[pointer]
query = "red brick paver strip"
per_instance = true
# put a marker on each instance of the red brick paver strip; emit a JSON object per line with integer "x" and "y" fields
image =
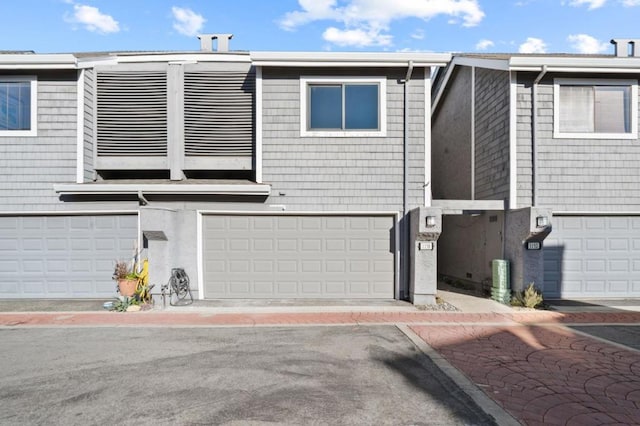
{"x": 544, "y": 375}
{"x": 177, "y": 318}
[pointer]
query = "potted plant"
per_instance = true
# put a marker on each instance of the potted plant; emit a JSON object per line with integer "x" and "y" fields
{"x": 127, "y": 278}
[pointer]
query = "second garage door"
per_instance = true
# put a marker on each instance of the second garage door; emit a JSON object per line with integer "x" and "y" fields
{"x": 298, "y": 256}
{"x": 63, "y": 256}
{"x": 593, "y": 256}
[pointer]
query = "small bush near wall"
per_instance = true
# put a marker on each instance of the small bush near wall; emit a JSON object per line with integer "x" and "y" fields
{"x": 531, "y": 297}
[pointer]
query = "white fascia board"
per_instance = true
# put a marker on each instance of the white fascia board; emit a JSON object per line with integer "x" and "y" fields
{"x": 348, "y": 59}
{"x": 97, "y": 61}
{"x": 596, "y": 213}
{"x": 630, "y": 70}
{"x": 35, "y": 61}
{"x": 493, "y": 64}
{"x": 443, "y": 85}
{"x": 339, "y": 64}
{"x": 80, "y": 127}
{"x": 575, "y": 64}
{"x": 202, "y": 189}
{"x": 183, "y": 57}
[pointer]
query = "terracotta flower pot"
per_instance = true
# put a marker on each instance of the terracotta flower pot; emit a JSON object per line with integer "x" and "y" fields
{"x": 127, "y": 287}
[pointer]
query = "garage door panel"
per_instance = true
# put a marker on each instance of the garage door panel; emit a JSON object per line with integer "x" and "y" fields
{"x": 63, "y": 256}
{"x": 618, "y": 287}
{"x": 592, "y": 256}
{"x": 619, "y": 265}
{"x": 596, "y": 244}
{"x": 593, "y": 223}
{"x": 293, "y": 256}
{"x": 619, "y": 223}
{"x": 311, "y": 289}
{"x": 60, "y": 287}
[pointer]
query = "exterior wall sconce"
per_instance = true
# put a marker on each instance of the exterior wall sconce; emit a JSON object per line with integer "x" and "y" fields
{"x": 430, "y": 221}
{"x": 542, "y": 221}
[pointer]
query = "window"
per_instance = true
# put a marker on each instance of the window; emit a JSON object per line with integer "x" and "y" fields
{"x": 18, "y": 106}
{"x": 603, "y": 109}
{"x": 343, "y": 107}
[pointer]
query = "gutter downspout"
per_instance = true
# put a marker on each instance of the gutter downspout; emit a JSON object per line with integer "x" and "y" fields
{"x": 534, "y": 131}
{"x": 405, "y": 178}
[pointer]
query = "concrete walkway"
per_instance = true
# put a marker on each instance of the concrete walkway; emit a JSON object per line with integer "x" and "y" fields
{"x": 529, "y": 364}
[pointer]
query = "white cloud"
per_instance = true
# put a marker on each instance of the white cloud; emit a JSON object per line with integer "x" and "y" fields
{"x": 592, "y": 4}
{"x": 583, "y": 43}
{"x": 411, "y": 50}
{"x": 418, "y": 34}
{"x": 93, "y": 20}
{"x": 356, "y": 37}
{"x": 484, "y": 44}
{"x": 631, "y": 3}
{"x": 533, "y": 45}
{"x": 312, "y": 10}
{"x": 187, "y": 22}
{"x": 371, "y": 19}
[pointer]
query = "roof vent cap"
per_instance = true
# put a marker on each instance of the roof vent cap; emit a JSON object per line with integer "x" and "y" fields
{"x": 206, "y": 42}
{"x": 626, "y": 47}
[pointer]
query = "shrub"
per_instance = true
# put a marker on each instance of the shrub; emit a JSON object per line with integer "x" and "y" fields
{"x": 531, "y": 297}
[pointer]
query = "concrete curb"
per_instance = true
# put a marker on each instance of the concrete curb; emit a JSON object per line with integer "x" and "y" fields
{"x": 489, "y": 406}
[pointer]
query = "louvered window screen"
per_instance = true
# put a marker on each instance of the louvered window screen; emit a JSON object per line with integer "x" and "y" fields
{"x": 218, "y": 113}
{"x": 132, "y": 114}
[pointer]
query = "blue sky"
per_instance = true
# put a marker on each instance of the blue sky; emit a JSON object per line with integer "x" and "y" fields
{"x": 529, "y": 26}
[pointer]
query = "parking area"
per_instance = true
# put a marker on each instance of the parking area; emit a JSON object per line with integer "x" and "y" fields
{"x": 296, "y": 375}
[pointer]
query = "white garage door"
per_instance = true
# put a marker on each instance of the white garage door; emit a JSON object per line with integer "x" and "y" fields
{"x": 593, "y": 256}
{"x": 63, "y": 256}
{"x": 298, "y": 256}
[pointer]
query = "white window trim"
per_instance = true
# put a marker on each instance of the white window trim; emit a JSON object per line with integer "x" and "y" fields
{"x": 557, "y": 82}
{"x": 34, "y": 106}
{"x": 382, "y": 83}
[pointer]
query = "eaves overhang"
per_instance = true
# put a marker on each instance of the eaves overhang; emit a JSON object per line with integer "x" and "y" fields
{"x": 89, "y": 61}
{"x": 537, "y": 63}
{"x": 37, "y": 61}
{"x": 348, "y": 59}
{"x": 579, "y": 64}
{"x": 560, "y": 63}
{"x": 164, "y": 189}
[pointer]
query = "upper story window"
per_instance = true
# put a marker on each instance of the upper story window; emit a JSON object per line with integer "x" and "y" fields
{"x": 343, "y": 107}
{"x": 18, "y": 106}
{"x": 596, "y": 109}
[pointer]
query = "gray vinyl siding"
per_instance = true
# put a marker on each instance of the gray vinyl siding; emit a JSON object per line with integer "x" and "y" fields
{"x": 89, "y": 120}
{"x": 348, "y": 174}
{"x": 29, "y": 166}
{"x": 491, "y": 134}
{"x": 523, "y": 143}
{"x": 451, "y": 140}
{"x": 581, "y": 174}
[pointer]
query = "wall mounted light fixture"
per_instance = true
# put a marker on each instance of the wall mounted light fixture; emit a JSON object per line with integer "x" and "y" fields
{"x": 542, "y": 221}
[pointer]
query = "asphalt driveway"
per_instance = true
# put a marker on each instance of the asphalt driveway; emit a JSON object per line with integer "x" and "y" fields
{"x": 295, "y": 375}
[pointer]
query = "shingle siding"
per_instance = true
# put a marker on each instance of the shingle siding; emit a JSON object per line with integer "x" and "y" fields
{"x": 523, "y": 144}
{"x": 451, "y": 140}
{"x": 579, "y": 174}
{"x": 491, "y": 134}
{"x": 29, "y": 166}
{"x": 328, "y": 173}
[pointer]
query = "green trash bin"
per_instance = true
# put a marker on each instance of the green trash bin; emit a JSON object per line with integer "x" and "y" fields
{"x": 501, "y": 289}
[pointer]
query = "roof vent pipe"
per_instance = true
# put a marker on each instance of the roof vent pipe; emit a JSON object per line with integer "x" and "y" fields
{"x": 622, "y": 47}
{"x": 206, "y": 42}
